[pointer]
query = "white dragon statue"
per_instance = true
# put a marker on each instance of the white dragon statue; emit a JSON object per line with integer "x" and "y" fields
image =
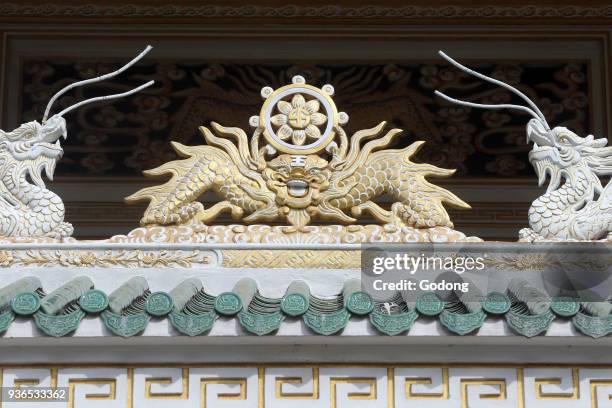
{"x": 27, "y": 208}
{"x": 576, "y": 205}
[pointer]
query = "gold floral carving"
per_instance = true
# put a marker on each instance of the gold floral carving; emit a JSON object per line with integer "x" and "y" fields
{"x": 104, "y": 258}
{"x": 313, "y": 234}
{"x": 231, "y": 258}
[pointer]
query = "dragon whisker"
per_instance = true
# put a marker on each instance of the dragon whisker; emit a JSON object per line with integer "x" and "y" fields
{"x": 93, "y": 80}
{"x": 487, "y": 106}
{"x": 105, "y": 98}
{"x": 534, "y": 111}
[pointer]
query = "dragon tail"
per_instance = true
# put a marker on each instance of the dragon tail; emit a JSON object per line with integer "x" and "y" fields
{"x": 173, "y": 201}
{"x": 443, "y": 194}
{"x": 423, "y": 204}
{"x": 424, "y": 170}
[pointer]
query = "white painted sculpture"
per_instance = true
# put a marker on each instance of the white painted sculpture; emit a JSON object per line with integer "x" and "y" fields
{"x": 27, "y": 208}
{"x": 576, "y": 205}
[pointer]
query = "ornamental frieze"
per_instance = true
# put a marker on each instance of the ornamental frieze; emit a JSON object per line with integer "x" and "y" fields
{"x": 252, "y": 11}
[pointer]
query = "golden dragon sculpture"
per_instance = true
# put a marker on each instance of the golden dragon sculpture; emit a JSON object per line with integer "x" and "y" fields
{"x": 298, "y": 166}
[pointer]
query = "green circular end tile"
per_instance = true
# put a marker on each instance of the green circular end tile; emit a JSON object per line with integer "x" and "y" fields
{"x": 360, "y": 303}
{"x": 294, "y": 304}
{"x": 496, "y": 303}
{"x": 429, "y": 304}
{"x": 565, "y": 306}
{"x": 26, "y": 303}
{"x": 228, "y": 304}
{"x": 159, "y": 304}
{"x": 93, "y": 301}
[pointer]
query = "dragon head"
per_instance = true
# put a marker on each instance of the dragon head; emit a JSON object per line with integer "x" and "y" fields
{"x": 36, "y": 147}
{"x": 297, "y": 180}
{"x": 556, "y": 151}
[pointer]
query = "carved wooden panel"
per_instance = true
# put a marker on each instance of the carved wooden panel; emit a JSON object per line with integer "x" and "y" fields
{"x": 127, "y": 136}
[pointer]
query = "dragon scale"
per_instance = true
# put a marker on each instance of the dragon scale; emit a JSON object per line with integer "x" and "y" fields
{"x": 417, "y": 202}
{"x": 35, "y": 210}
{"x": 206, "y": 168}
{"x": 564, "y": 213}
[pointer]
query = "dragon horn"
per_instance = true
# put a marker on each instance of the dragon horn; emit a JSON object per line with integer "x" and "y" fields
{"x": 534, "y": 111}
{"x": 94, "y": 80}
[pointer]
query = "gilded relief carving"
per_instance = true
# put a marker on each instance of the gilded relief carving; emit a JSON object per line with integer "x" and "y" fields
{"x": 299, "y": 166}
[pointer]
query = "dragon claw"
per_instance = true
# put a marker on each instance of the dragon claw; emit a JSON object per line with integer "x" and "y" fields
{"x": 63, "y": 230}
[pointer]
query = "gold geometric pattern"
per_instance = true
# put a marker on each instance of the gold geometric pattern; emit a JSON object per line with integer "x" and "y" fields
{"x": 327, "y": 259}
{"x": 410, "y": 394}
{"x": 110, "y": 382}
{"x": 240, "y": 395}
{"x": 324, "y": 385}
{"x": 281, "y": 394}
{"x": 184, "y": 394}
{"x": 594, "y": 385}
{"x": 574, "y": 395}
{"x": 465, "y": 383}
{"x": 370, "y": 394}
